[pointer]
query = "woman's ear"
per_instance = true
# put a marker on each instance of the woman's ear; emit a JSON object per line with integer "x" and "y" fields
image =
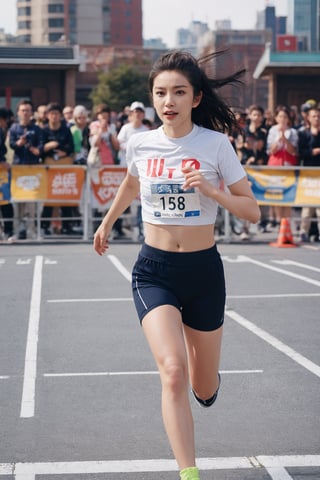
{"x": 197, "y": 99}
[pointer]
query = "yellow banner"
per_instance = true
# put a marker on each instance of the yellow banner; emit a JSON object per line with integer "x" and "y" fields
{"x": 308, "y": 191}
{"x": 285, "y": 186}
{"x": 28, "y": 183}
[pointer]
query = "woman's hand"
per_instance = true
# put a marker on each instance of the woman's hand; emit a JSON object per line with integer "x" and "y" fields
{"x": 100, "y": 239}
{"x": 194, "y": 178}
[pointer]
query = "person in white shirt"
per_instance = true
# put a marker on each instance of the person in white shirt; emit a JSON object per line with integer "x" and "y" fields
{"x": 134, "y": 125}
{"x": 178, "y": 279}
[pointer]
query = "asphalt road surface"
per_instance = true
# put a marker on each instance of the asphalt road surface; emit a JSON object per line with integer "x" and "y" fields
{"x": 79, "y": 391}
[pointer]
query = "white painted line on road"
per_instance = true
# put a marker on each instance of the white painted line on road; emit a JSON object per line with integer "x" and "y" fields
{"x": 297, "y": 264}
{"x": 276, "y": 295}
{"x": 30, "y": 365}
{"x": 293, "y": 461}
{"x": 274, "y": 465}
{"x": 98, "y": 374}
{"x": 280, "y": 270}
{"x": 114, "y": 374}
{"x": 116, "y": 262}
{"x": 129, "y": 299}
{"x": 274, "y": 342}
{"x": 278, "y": 473}
{"x": 79, "y": 300}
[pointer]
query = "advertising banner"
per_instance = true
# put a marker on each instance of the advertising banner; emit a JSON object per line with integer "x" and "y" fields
{"x": 104, "y": 184}
{"x": 28, "y": 183}
{"x": 65, "y": 183}
{"x": 285, "y": 186}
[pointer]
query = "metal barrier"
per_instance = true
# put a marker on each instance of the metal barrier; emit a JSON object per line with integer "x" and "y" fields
{"x": 93, "y": 190}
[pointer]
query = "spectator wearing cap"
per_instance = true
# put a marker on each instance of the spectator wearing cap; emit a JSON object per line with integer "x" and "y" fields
{"x": 134, "y": 125}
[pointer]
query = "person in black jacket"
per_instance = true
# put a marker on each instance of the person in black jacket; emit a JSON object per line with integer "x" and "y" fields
{"x": 58, "y": 148}
{"x": 26, "y": 142}
{"x": 309, "y": 151}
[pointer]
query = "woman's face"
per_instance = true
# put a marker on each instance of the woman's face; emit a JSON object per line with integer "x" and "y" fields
{"x": 173, "y": 98}
{"x": 282, "y": 119}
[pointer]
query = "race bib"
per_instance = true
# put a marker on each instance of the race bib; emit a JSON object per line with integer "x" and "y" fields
{"x": 169, "y": 200}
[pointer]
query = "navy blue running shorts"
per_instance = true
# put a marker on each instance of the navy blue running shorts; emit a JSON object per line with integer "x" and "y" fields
{"x": 193, "y": 282}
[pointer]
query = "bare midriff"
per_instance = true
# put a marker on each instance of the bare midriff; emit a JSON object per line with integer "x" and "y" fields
{"x": 176, "y": 238}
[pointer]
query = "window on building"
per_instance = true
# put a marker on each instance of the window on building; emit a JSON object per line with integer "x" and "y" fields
{"x": 72, "y": 23}
{"x": 56, "y": 22}
{"x": 24, "y": 25}
{"x": 24, "y": 38}
{"x": 54, "y": 37}
{"x": 72, "y": 7}
{"x": 73, "y": 38}
{"x": 56, "y": 8}
{"x": 24, "y": 11}
{"x": 106, "y": 38}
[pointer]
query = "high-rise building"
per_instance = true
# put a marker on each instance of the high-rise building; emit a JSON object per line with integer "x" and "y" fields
{"x": 303, "y": 22}
{"x": 82, "y": 22}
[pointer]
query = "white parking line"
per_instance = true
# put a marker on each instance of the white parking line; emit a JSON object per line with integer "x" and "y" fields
{"x": 79, "y": 300}
{"x": 274, "y": 342}
{"x": 280, "y": 270}
{"x": 274, "y": 465}
{"x": 30, "y": 365}
{"x": 113, "y": 259}
{"x": 111, "y": 374}
{"x": 130, "y": 299}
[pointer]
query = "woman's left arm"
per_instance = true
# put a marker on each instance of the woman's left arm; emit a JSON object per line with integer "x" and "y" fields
{"x": 239, "y": 201}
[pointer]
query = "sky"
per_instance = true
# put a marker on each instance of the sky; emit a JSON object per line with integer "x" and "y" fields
{"x": 162, "y": 18}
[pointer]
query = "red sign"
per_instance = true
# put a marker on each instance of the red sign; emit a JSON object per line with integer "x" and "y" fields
{"x": 287, "y": 43}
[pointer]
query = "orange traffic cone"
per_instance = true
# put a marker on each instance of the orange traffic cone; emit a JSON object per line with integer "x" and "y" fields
{"x": 285, "y": 239}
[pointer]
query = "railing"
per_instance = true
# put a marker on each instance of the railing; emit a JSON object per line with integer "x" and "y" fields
{"x": 94, "y": 189}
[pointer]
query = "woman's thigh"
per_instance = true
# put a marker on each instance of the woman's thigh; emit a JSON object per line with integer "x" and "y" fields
{"x": 163, "y": 329}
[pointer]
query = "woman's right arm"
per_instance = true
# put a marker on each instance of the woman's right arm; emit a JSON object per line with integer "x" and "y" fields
{"x": 127, "y": 192}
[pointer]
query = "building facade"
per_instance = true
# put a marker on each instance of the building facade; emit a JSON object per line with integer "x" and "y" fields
{"x": 243, "y": 51}
{"x": 303, "y": 21}
{"x": 71, "y": 22}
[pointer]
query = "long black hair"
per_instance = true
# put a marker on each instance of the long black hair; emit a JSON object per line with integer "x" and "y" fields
{"x": 212, "y": 112}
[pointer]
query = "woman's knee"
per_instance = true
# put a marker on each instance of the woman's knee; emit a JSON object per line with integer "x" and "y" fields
{"x": 174, "y": 376}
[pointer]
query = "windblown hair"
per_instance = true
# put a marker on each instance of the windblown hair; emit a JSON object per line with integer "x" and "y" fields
{"x": 212, "y": 112}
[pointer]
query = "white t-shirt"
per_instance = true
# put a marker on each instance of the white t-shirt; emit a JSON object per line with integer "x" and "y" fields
{"x": 126, "y": 131}
{"x": 157, "y": 160}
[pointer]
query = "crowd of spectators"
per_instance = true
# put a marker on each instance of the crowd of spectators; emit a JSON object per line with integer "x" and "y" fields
{"x": 289, "y": 137}
{"x": 72, "y": 135}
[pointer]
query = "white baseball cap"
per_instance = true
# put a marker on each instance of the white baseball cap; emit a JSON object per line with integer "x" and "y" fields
{"x": 136, "y": 105}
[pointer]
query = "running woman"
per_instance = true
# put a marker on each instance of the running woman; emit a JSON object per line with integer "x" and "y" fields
{"x": 178, "y": 279}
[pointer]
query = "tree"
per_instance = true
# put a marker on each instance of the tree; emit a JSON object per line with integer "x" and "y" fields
{"x": 121, "y": 86}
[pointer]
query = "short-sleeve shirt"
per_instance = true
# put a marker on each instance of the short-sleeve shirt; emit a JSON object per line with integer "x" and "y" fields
{"x": 158, "y": 161}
